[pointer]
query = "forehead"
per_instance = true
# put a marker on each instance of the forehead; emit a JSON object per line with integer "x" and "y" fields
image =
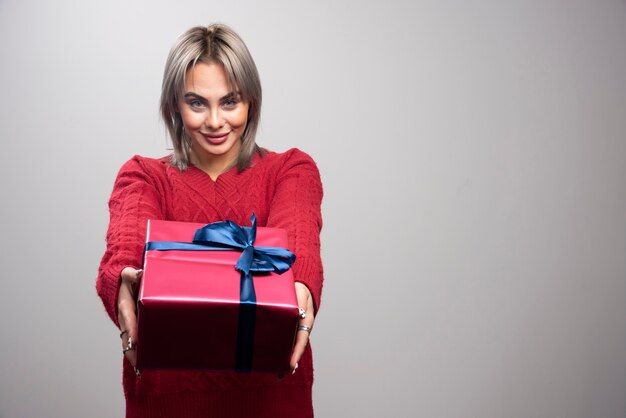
{"x": 207, "y": 79}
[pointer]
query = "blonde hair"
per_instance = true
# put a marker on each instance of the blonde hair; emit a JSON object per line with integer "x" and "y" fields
{"x": 218, "y": 44}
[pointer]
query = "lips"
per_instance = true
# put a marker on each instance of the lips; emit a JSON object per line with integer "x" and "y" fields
{"x": 216, "y": 139}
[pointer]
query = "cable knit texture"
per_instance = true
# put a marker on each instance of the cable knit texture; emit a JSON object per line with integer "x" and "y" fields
{"x": 284, "y": 191}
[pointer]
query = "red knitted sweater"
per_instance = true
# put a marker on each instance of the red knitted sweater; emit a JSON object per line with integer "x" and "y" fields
{"x": 284, "y": 191}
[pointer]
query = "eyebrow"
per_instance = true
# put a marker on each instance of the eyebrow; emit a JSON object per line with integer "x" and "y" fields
{"x": 230, "y": 95}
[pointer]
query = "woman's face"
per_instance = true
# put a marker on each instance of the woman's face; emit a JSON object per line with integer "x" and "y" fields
{"x": 214, "y": 117}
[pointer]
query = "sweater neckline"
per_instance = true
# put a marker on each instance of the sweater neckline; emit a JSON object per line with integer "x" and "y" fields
{"x": 208, "y": 177}
{"x": 202, "y": 182}
{"x": 226, "y": 175}
{"x": 224, "y": 185}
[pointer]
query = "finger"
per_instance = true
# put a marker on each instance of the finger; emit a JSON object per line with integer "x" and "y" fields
{"x": 131, "y": 279}
{"x": 131, "y": 275}
{"x": 126, "y": 309}
{"x": 302, "y": 339}
{"x": 131, "y": 355}
{"x": 305, "y": 302}
{"x": 128, "y": 324}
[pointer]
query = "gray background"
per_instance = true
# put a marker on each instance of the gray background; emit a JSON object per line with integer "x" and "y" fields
{"x": 474, "y": 161}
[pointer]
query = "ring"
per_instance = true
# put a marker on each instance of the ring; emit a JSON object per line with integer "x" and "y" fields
{"x": 129, "y": 347}
{"x": 301, "y": 313}
{"x": 123, "y": 332}
{"x": 305, "y": 328}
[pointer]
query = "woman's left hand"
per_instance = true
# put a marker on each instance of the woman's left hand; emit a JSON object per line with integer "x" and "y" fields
{"x": 305, "y": 301}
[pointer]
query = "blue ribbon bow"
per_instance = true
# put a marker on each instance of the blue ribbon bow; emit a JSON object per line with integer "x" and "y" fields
{"x": 228, "y": 236}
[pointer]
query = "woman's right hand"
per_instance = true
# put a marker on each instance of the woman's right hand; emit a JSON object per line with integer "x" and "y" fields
{"x": 127, "y": 312}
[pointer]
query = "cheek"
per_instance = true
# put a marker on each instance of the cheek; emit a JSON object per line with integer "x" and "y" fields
{"x": 192, "y": 119}
{"x": 240, "y": 118}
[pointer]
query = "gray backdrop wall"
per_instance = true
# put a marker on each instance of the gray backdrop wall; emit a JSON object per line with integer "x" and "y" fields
{"x": 474, "y": 160}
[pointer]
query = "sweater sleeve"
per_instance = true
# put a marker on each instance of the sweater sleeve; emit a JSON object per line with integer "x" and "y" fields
{"x": 134, "y": 200}
{"x": 296, "y": 207}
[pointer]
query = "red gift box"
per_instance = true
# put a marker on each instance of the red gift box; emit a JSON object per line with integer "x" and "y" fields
{"x": 189, "y": 306}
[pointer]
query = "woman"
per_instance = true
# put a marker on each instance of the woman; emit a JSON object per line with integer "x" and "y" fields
{"x": 211, "y": 103}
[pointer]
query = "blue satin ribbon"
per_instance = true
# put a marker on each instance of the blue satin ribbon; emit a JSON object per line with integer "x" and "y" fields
{"x": 228, "y": 236}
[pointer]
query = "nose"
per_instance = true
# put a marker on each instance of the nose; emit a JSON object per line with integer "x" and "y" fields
{"x": 214, "y": 120}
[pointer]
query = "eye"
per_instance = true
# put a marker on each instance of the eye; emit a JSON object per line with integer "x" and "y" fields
{"x": 195, "y": 103}
{"x": 230, "y": 103}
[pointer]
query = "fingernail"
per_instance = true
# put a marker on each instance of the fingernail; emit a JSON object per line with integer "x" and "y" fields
{"x": 294, "y": 369}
